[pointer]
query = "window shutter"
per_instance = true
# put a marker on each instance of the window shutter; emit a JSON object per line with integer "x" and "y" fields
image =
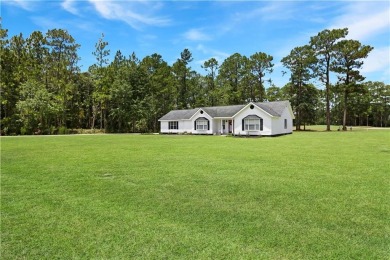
{"x": 208, "y": 124}
{"x": 195, "y": 125}
{"x": 261, "y": 124}
{"x": 243, "y": 122}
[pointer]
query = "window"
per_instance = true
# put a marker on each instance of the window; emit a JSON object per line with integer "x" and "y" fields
{"x": 201, "y": 124}
{"x": 252, "y": 123}
{"x": 173, "y": 125}
{"x": 285, "y": 123}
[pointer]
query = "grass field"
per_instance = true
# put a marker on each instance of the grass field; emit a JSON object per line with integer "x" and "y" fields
{"x": 310, "y": 195}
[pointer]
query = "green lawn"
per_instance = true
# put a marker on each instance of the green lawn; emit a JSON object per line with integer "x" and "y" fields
{"x": 309, "y": 195}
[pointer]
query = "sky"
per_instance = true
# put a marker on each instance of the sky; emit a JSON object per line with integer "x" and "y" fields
{"x": 209, "y": 29}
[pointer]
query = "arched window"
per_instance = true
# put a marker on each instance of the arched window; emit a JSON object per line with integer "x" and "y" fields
{"x": 202, "y": 123}
{"x": 252, "y": 123}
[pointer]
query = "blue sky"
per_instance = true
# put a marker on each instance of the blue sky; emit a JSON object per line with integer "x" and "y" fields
{"x": 207, "y": 28}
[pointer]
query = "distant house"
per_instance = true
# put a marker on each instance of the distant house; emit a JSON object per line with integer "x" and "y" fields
{"x": 258, "y": 119}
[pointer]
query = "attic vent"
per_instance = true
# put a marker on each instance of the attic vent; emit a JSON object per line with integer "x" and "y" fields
{"x": 252, "y": 106}
{"x": 201, "y": 111}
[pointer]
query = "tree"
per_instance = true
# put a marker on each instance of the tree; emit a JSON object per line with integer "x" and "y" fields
{"x": 349, "y": 55}
{"x": 211, "y": 66}
{"x": 261, "y": 63}
{"x": 300, "y": 62}
{"x": 37, "y": 55}
{"x": 181, "y": 71}
{"x": 62, "y": 61}
{"x": 230, "y": 78}
{"x": 379, "y": 96}
{"x": 162, "y": 93}
{"x": 36, "y": 107}
{"x": 99, "y": 72}
{"x": 309, "y": 104}
{"x": 323, "y": 45}
{"x": 274, "y": 93}
{"x": 8, "y": 85}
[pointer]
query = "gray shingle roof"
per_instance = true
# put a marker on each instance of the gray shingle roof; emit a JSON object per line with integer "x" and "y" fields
{"x": 179, "y": 114}
{"x": 273, "y": 108}
{"x": 223, "y": 111}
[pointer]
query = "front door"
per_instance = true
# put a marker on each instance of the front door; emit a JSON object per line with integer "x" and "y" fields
{"x": 226, "y": 126}
{"x": 230, "y": 126}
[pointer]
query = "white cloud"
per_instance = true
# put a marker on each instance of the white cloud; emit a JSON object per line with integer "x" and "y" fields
{"x": 26, "y": 5}
{"x": 68, "y": 5}
{"x": 134, "y": 13}
{"x": 196, "y": 35}
{"x": 378, "y": 60}
{"x": 369, "y": 22}
{"x": 46, "y": 23}
{"x": 364, "y": 20}
{"x": 220, "y": 56}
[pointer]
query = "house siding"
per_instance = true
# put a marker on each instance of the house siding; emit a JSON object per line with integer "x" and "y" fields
{"x": 278, "y": 124}
{"x": 197, "y": 115}
{"x": 247, "y": 111}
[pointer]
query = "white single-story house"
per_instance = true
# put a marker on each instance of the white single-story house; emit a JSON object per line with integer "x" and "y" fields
{"x": 259, "y": 119}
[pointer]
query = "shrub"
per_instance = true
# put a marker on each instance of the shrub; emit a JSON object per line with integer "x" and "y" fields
{"x": 63, "y": 130}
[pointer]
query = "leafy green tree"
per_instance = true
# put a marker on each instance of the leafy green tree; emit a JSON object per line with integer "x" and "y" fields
{"x": 63, "y": 60}
{"x": 181, "y": 72}
{"x": 349, "y": 55}
{"x": 230, "y": 79}
{"x": 300, "y": 62}
{"x": 82, "y": 102}
{"x": 9, "y": 85}
{"x": 261, "y": 64}
{"x": 162, "y": 94}
{"x": 379, "y": 97}
{"x": 323, "y": 45}
{"x": 37, "y": 55}
{"x": 99, "y": 75}
{"x": 359, "y": 105}
{"x": 36, "y": 107}
{"x": 274, "y": 93}
{"x": 248, "y": 88}
{"x": 211, "y": 66}
{"x": 196, "y": 90}
{"x": 309, "y": 105}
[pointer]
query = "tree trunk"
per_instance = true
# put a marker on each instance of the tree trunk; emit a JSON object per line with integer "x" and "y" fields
{"x": 327, "y": 100}
{"x": 345, "y": 111}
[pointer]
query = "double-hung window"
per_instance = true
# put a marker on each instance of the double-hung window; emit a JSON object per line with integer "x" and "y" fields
{"x": 252, "y": 123}
{"x": 173, "y": 125}
{"x": 202, "y": 124}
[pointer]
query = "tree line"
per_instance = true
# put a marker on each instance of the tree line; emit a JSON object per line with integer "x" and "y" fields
{"x": 44, "y": 91}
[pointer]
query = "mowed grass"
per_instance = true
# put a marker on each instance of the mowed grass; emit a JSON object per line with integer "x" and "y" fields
{"x": 310, "y": 195}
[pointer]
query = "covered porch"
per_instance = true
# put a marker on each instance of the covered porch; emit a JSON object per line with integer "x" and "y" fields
{"x": 223, "y": 126}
